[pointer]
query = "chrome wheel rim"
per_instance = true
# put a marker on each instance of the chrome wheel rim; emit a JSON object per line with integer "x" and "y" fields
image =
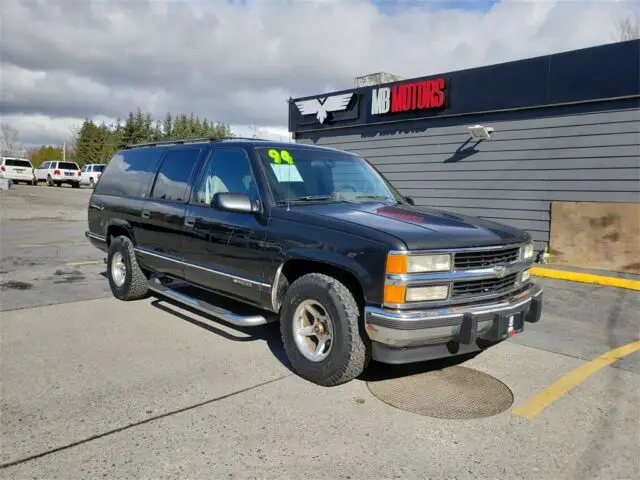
{"x": 313, "y": 330}
{"x": 118, "y": 269}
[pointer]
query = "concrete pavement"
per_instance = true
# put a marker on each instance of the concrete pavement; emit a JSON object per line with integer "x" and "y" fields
{"x": 97, "y": 388}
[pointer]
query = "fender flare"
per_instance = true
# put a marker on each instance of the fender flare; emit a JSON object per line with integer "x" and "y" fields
{"x": 333, "y": 259}
{"x": 123, "y": 224}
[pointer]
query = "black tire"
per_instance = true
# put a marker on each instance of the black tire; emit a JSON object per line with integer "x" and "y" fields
{"x": 135, "y": 284}
{"x": 58, "y": 184}
{"x": 76, "y": 185}
{"x": 350, "y": 351}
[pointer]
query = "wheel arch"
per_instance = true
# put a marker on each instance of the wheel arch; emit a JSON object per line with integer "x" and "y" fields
{"x": 297, "y": 266}
{"x": 117, "y": 228}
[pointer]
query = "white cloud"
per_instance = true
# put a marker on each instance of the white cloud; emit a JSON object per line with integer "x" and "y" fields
{"x": 238, "y": 61}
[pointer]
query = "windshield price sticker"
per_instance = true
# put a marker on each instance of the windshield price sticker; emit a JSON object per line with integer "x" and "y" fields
{"x": 280, "y": 156}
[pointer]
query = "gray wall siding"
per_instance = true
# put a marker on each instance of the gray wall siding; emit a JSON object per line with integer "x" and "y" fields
{"x": 513, "y": 177}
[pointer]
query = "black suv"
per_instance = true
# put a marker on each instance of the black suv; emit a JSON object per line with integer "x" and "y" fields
{"x": 317, "y": 238}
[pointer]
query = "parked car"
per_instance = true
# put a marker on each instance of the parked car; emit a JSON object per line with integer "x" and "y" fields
{"x": 90, "y": 174}
{"x": 17, "y": 170}
{"x": 57, "y": 172}
{"x": 313, "y": 237}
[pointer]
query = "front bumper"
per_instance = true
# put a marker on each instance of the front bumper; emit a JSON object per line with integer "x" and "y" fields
{"x": 402, "y": 336}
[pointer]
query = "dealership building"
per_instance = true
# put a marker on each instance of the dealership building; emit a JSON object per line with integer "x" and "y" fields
{"x": 512, "y": 142}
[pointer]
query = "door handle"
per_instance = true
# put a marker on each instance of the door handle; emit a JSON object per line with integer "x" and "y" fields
{"x": 189, "y": 222}
{"x": 145, "y": 214}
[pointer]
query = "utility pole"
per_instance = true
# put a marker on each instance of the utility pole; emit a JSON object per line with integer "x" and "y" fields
{"x": 64, "y": 151}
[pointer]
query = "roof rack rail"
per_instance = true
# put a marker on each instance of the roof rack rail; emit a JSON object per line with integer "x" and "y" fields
{"x": 181, "y": 141}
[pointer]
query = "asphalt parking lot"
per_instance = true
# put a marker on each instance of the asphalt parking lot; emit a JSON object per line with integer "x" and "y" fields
{"x": 97, "y": 388}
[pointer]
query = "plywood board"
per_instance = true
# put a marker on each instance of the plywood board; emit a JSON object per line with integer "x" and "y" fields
{"x": 594, "y": 235}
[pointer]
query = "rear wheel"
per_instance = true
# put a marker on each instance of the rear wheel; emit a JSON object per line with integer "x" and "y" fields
{"x": 126, "y": 278}
{"x": 76, "y": 185}
{"x": 320, "y": 327}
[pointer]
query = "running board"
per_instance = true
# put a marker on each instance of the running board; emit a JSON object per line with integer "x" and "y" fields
{"x": 205, "y": 307}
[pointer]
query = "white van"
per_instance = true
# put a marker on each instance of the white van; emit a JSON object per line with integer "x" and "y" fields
{"x": 17, "y": 170}
{"x": 57, "y": 172}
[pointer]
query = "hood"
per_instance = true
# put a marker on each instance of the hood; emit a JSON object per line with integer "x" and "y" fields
{"x": 418, "y": 227}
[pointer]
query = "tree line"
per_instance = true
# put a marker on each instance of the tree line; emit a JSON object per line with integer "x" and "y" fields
{"x": 97, "y": 142}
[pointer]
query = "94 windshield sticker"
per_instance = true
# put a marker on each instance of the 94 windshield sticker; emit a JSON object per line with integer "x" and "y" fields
{"x": 280, "y": 156}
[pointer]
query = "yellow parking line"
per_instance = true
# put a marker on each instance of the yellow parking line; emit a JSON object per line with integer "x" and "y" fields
{"x": 77, "y": 264}
{"x": 553, "y": 392}
{"x": 586, "y": 278}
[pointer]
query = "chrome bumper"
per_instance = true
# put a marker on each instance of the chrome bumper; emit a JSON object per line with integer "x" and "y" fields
{"x": 464, "y": 324}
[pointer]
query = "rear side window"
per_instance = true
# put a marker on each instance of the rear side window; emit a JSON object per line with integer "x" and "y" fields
{"x": 175, "y": 173}
{"x": 14, "y": 162}
{"x": 98, "y": 168}
{"x": 129, "y": 173}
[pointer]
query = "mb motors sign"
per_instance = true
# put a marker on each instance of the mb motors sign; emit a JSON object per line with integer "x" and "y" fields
{"x": 408, "y": 97}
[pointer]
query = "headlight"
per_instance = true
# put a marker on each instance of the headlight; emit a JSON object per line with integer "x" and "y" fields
{"x": 404, "y": 263}
{"x": 524, "y": 276}
{"x": 428, "y": 263}
{"x": 527, "y": 251}
{"x": 422, "y": 294}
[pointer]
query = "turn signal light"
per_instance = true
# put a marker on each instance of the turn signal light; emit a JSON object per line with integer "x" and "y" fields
{"x": 396, "y": 264}
{"x": 57, "y": 172}
{"x": 394, "y": 293}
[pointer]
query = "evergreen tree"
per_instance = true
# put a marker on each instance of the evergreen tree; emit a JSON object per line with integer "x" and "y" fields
{"x": 167, "y": 126}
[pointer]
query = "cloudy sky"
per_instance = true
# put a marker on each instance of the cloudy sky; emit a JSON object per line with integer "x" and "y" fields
{"x": 239, "y": 60}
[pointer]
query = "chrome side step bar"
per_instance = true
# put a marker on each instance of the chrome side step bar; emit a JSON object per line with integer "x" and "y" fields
{"x": 205, "y": 307}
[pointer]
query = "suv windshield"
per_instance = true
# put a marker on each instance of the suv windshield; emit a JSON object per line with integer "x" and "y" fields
{"x": 304, "y": 174}
{"x": 67, "y": 166}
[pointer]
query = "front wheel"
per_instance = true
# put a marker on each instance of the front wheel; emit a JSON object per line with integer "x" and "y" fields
{"x": 320, "y": 328}
{"x": 126, "y": 278}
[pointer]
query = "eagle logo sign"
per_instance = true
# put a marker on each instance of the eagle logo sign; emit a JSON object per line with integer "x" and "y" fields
{"x": 322, "y": 106}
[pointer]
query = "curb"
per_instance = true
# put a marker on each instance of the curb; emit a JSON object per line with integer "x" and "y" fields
{"x": 586, "y": 278}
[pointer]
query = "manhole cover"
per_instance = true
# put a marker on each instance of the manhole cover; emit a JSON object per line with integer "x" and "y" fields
{"x": 453, "y": 392}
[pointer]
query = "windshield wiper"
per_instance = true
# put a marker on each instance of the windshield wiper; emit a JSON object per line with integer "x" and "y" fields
{"x": 307, "y": 198}
{"x": 372, "y": 197}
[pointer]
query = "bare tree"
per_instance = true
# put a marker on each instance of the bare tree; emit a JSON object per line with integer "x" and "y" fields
{"x": 10, "y": 140}
{"x": 627, "y": 30}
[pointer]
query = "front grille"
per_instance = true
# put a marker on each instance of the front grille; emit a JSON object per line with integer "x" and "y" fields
{"x": 482, "y": 259}
{"x": 478, "y": 288}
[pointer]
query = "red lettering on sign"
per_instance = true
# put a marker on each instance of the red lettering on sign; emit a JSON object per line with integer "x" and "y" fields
{"x": 437, "y": 98}
{"x": 418, "y": 96}
{"x": 397, "y": 98}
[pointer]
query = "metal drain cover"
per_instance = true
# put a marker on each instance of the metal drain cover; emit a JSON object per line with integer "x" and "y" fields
{"x": 455, "y": 392}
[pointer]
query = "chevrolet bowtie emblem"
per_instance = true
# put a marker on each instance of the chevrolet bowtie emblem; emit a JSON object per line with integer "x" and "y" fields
{"x": 501, "y": 271}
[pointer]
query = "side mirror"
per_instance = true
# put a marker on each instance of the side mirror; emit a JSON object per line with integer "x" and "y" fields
{"x": 234, "y": 202}
{"x": 410, "y": 200}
